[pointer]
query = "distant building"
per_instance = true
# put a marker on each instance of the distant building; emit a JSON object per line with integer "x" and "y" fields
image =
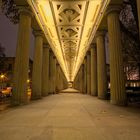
{"x": 7, "y": 68}
{"x": 132, "y": 75}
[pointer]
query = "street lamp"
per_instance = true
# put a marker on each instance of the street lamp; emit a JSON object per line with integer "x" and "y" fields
{"x": 2, "y": 76}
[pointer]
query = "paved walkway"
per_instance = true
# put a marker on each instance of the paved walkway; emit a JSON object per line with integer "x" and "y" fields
{"x": 70, "y": 116}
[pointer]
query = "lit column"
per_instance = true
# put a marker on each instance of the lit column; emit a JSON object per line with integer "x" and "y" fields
{"x": 57, "y": 78}
{"x": 45, "y": 71}
{"x": 93, "y": 70}
{"x": 118, "y": 95}
{"x": 54, "y": 75}
{"x": 138, "y": 9}
{"x": 37, "y": 66}
{"x": 61, "y": 81}
{"x": 85, "y": 76}
{"x": 51, "y": 73}
{"x": 82, "y": 78}
{"x": 88, "y": 73}
{"x": 101, "y": 65}
{"x": 22, "y": 59}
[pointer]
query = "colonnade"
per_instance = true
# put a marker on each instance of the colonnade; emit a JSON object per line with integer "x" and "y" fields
{"x": 47, "y": 76}
{"x": 95, "y": 70}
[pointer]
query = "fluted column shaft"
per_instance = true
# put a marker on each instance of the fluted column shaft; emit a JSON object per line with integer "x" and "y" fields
{"x": 88, "y": 73}
{"x": 57, "y": 78}
{"x": 22, "y": 59}
{"x": 78, "y": 80}
{"x": 61, "y": 79}
{"x": 82, "y": 78}
{"x": 138, "y": 10}
{"x": 118, "y": 95}
{"x": 51, "y": 73}
{"x": 101, "y": 65}
{"x": 37, "y": 66}
{"x": 54, "y": 75}
{"x": 85, "y": 76}
{"x": 45, "y": 71}
{"x": 93, "y": 70}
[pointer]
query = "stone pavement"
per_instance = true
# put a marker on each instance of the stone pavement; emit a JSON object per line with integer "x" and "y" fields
{"x": 68, "y": 116}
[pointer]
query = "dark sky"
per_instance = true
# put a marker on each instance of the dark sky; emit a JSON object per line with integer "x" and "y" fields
{"x": 8, "y": 36}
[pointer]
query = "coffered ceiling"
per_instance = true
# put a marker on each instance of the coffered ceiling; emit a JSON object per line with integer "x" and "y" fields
{"x": 69, "y": 26}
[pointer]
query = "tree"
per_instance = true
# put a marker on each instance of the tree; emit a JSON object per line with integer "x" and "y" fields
{"x": 10, "y": 9}
{"x": 130, "y": 36}
{"x": 2, "y": 58}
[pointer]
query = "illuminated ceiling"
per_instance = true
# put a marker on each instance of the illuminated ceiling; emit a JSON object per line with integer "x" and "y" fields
{"x": 69, "y": 26}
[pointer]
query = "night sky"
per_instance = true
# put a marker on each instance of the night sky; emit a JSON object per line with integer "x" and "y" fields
{"x": 8, "y": 36}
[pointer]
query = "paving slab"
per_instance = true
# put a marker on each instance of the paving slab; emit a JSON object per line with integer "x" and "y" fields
{"x": 70, "y": 116}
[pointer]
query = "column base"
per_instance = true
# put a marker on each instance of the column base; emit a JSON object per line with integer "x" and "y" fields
{"x": 120, "y": 103}
{"x": 45, "y": 94}
{"x": 94, "y": 94}
{"x": 19, "y": 103}
{"x": 37, "y": 97}
{"x": 102, "y": 97}
{"x": 52, "y": 92}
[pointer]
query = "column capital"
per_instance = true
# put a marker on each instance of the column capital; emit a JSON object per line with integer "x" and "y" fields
{"x": 46, "y": 45}
{"x": 93, "y": 41}
{"x": 57, "y": 63}
{"x": 93, "y": 45}
{"x": 114, "y": 8}
{"x": 100, "y": 33}
{"x": 25, "y": 10}
{"x": 88, "y": 52}
{"x": 37, "y": 33}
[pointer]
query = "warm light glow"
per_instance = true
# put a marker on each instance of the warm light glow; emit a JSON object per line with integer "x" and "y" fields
{"x": 28, "y": 81}
{"x": 69, "y": 27}
{"x": 2, "y": 76}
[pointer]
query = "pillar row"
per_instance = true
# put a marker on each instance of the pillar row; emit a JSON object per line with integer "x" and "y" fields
{"x": 22, "y": 58}
{"x": 37, "y": 66}
{"x": 118, "y": 95}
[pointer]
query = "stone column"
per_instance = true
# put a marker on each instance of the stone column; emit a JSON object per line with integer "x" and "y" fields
{"x": 57, "y": 78}
{"x": 88, "y": 73}
{"x": 85, "y": 76}
{"x": 22, "y": 59}
{"x": 77, "y": 81}
{"x": 93, "y": 70}
{"x": 61, "y": 81}
{"x": 51, "y": 74}
{"x": 101, "y": 65}
{"x": 82, "y": 78}
{"x": 118, "y": 95}
{"x": 45, "y": 71}
{"x": 54, "y": 75}
{"x": 37, "y": 66}
{"x": 138, "y": 9}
